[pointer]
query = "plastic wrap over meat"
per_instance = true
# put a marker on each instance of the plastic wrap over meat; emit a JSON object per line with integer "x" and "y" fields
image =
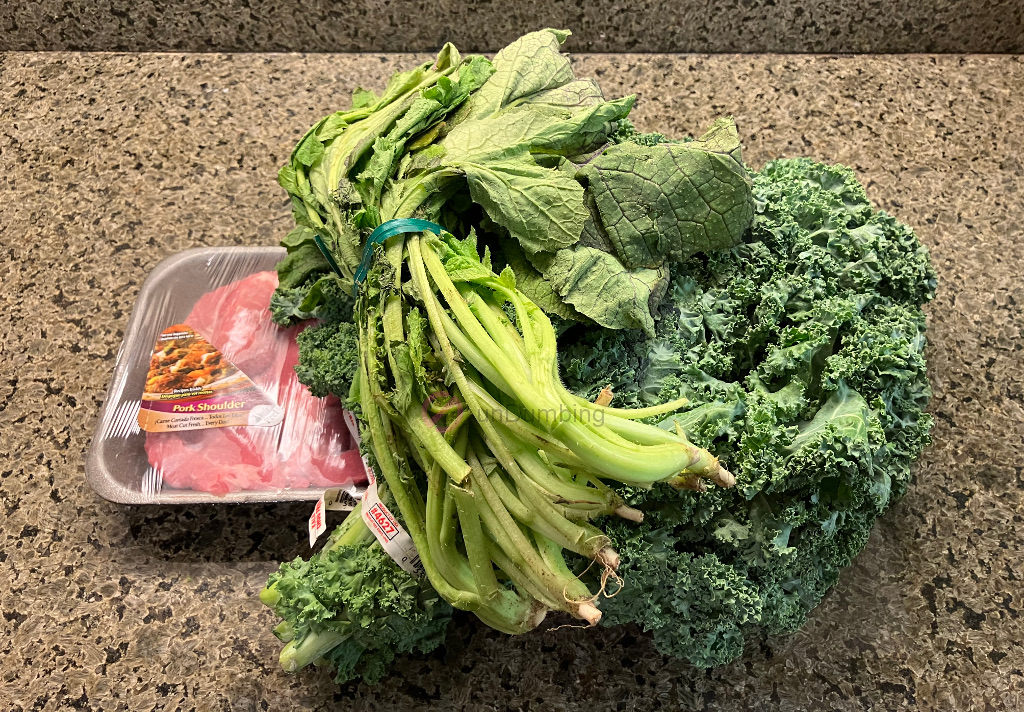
{"x": 310, "y": 448}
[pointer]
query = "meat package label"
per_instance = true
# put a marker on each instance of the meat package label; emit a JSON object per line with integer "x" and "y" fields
{"x": 191, "y": 385}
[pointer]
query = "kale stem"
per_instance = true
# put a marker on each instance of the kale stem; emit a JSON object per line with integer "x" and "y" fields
{"x": 295, "y": 656}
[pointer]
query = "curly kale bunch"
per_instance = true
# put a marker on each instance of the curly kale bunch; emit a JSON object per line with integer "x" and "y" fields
{"x": 352, "y": 608}
{"x": 801, "y": 351}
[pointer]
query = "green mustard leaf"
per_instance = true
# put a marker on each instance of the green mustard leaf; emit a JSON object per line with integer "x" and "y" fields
{"x": 310, "y": 150}
{"x": 298, "y": 265}
{"x": 542, "y": 208}
{"x": 286, "y": 179}
{"x": 671, "y": 200}
{"x": 597, "y": 285}
{"x": 528, "y": 66}
{"x": 543, "y": 130}
{"x": 298, "y": 236}
{"x": 577, "y": 93}
{"x": 363, "y": 98}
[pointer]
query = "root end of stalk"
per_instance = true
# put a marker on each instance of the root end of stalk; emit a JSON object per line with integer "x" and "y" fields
{"x": 588, "y": 612}
{"x": 540, "y": 611}
{"x": 690, "y": 482}
{"x": 608, "y": 557}
{"x": 633, "y": 515}
{"x": 723, "y": 478}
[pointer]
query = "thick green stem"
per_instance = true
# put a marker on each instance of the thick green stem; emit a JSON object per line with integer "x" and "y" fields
{"x": 476, "y": 547}
{"x": 510, "y": 538}
{"x": 295, "y": 656}
{"x": 558, "y": 489}
{"x": 523, "y": 429}
{"x": 423, "y": 428}
{"x": 450, "y": 563}
{"x": 391, "y": 321}
{"x": 519, "y": 578}
{"x": 488, "y": 350}
{"x": 470, "y": 353}
{"x": 522, "y": 512}
{"x": 630, "y": 413}
{"x": 537, "y": 512}
{"x": 498, "y": 332}
{"x": 552, "y": 554}
{"x": 457, "y": 598}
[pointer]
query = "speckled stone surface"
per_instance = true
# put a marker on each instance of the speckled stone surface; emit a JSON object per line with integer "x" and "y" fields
{"x": 488, "y": 25}
{"x": 109, "y": 163}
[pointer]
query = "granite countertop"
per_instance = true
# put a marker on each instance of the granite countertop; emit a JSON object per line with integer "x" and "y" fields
{"x": 112, "y": 162}
{"x": 486, "y": 26}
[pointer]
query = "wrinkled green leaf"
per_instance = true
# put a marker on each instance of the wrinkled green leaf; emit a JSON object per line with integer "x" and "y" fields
{"x": 548, "y": 130}
{"x": 670, "y": 200}
{"x": 298, "y": 265}
{"x": 528, "y": 66}
{"x": 363, "y": 98}
{"x": 543, "y": 209}
{"x": 597, "y": 285}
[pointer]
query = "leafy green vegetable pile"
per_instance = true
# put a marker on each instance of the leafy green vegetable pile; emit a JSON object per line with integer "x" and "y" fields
{"x": 802, "y": 353}
{"x": 772, "y": 319}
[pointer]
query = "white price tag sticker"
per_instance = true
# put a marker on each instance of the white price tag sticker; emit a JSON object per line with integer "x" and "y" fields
{"x": 384, "y": 525}
{"x": 335, "y": 499}
{"x": 353, "y": 427}
{"x": 317, "y": 522}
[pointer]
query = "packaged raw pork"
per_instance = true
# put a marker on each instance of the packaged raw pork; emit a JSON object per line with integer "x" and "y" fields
{"x": 205, "y": 405}
{"x": 307, "y": 445}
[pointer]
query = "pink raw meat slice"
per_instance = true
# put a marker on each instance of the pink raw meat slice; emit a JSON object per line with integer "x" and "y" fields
{"x": 311, "y": 448}
{"x": 207, "y": 460}
{"x": 235, "y": 319}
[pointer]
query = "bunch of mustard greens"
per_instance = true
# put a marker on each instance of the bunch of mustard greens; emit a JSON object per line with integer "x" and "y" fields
{"x": 561, "y": 239}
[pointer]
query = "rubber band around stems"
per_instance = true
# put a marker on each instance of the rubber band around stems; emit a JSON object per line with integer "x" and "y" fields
{"x": 381, "y": 233}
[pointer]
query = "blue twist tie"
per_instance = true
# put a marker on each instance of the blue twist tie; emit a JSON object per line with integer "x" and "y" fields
{"x": 326, "y": 253}
{"x": 380, "y": 234}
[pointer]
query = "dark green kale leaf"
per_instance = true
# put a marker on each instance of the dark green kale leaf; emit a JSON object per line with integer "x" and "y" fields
{"x": 324, "y": 297}
{"x": 328, "y": 358}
